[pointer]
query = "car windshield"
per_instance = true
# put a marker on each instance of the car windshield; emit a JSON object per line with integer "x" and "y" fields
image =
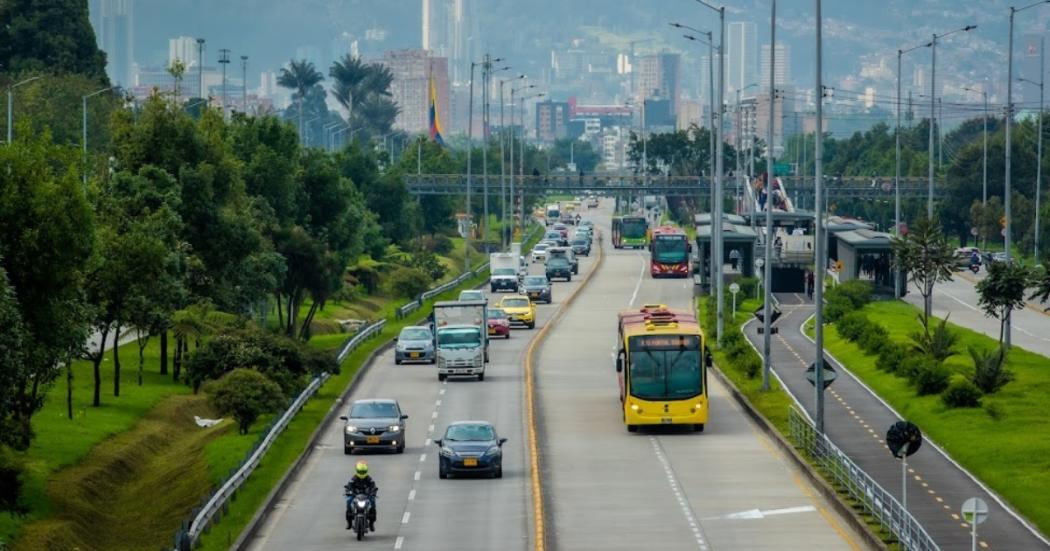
{"x": 579, "y": 241}
{"x": 536, "y": 280}
{"x": 470, "y": 433}
{"x": 541, "y": 247}
{"x": 670, "y": 249}
{"x": 665, "y": 367}
{"x": 471, "y": 295}
{"x": 558, "y": 262}
{"x": 414, "y": 334}
{"x": 553, "y": 235}
{"x": 497, "y": 314}
{"x": 515, "y": 303}
{"x": 461, "y": 337}
{"x": 373, "y": 410}
{"x": 504, "y": 271}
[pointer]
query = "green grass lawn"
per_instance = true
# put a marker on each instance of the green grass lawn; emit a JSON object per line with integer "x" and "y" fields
{"x": 1005, "y": 443}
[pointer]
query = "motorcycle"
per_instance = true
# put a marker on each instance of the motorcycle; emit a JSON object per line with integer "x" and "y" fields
{"x": 975, "y": 268}
{"x": 359, "y": 508}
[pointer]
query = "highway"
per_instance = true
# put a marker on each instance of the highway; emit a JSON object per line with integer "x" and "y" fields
{"x": 727, "y": 488}
{"x": 416, "y": 509}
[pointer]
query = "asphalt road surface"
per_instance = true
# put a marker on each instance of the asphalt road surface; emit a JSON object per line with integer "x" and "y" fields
{"x": 727, "y": 488}
{"x": 416, "y": 509}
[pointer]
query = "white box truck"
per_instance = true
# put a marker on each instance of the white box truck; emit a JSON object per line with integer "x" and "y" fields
{"x": 523, "y": 265}
{"x": 460, "y": 338}
{"x": 503, "y": 272}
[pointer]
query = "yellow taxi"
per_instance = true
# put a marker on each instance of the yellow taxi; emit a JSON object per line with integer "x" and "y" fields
{"x": 520, "y": 310}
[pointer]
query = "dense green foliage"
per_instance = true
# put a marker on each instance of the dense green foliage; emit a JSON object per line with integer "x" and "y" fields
{"x": 1003, "y": 291}
{"x": 925, "y": 255}
{"x": 246, "y": 394}
{"x": 962, "y": 393}
{"x": 49, "y": 36}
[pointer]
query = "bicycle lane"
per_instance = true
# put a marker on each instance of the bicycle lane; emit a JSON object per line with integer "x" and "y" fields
{"x": 856, "y": 421}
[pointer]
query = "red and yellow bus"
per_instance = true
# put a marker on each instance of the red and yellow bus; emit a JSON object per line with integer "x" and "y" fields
{"x": 669, "y": 252}
{"x": 662, "y": 368}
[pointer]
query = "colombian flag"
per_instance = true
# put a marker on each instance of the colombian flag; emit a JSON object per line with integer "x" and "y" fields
{"x": 435, "y": 122}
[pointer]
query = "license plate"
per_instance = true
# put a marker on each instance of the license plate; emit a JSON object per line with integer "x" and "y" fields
{"x": 534, "y": 295}
{"x": 372, "y": 440}
{"x": 665, "y": 420}
{"x": 492, "y": 331}
{"x": 470, "y": 462}
{"x": 414, "y": 354}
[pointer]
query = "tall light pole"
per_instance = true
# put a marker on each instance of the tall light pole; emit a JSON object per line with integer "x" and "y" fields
{"x": 897, "y": 180}
{"x": 200, "y": 67}
{"x": 524, "y": 136}
{"x": 224, "y": 59}
{"x": 716, "y": 219}
{"x": 470, "y": 170}
{"x": 244, "y": 83}
{"x": 820, "y": 265}
{"x": 11, "y": 103}
{"x": 84, "y": 125}
{"x": 1039, "y": 147}
{"x": 767, "y": 284}
{"x": 504, "y": 238}
{"x": 711, "y": 98}
{"x": 933, "y": 108}
{"x": 513, "y": 134}
{"x": 984, "y": 176}
{"x": 1009, "y": 142}
{"x": 486, "y": 79}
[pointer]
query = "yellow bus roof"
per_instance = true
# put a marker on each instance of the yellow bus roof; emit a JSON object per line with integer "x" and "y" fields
{"x": 659, "y": 319}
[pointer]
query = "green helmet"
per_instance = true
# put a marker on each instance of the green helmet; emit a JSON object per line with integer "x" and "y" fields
{"x": 361, "y": 470}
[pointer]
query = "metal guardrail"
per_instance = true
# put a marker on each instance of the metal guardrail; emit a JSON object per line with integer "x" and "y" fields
{"x": 868, "y": 494}
{"x": 216, "y": 505}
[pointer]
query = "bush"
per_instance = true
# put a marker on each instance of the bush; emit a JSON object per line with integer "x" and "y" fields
{"x": 962, "y": 394}
{"x": 990, "y": 373}
{"x": 441, "y": 244}
{"x": 407, "y": 282}
{"x": 912, "y": 364}
{"x": 858, "y": 292}
{"x": 853, "y": 325}
{"x": 890, "y": 357}
{"x": 939, "y": 344}
{"x": 837, "y": 306}
{"x": 873, "y": 339}
{"x": 428, "y": 263}
{"x": 280, "y": 358}
{"x": 11, "y": 470}
{"x": 750, "y": 365}
{"x": 367, "y": 276}
{"x": 246, "y": 394}
{"x": 932, "y": 378}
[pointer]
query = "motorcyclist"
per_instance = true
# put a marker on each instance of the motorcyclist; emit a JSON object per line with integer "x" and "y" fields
{"x": 975, "y": 261}
{"x": 362, "y": 483}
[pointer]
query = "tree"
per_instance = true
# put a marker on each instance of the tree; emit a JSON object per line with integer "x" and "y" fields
{"x": 925, "y": 255}
{"x": 246, "y": 394}
{"x": 299, "y": 76}
{"x": 364, "y": 90}
{"x": 46, "y": 228}
{"x": 1003, "y": 291}
{"x": 176, "y": 69}
{"x": 11, "y": 358}
{"x": 49, "y": 36}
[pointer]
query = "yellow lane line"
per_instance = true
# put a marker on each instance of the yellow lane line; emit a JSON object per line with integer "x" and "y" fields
{"x": 538, "y": 525}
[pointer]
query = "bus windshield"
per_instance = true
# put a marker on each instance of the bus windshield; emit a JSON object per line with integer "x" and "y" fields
{"x": 670, "y": 250}
{"x": 665, "y": 367}
{"x": 634, "y": 227}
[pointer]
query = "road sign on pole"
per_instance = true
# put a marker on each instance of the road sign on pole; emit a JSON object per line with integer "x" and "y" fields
{"x": 974, "y": 511}
{"x": 903, "y": 439}
{"x": 829, "y": 374}
{"x": 734, "y": 288}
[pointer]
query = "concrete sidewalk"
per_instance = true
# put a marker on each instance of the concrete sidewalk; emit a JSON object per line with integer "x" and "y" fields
{"x": 856, "y": 420}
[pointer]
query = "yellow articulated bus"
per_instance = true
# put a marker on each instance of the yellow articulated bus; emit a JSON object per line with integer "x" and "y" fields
{"x": 662, "y": 368}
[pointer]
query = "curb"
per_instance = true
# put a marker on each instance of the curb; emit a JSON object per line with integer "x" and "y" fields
{"x": 539, "y": 501}
{"x": 830, "y": 494}
{"x": 263, "y": 512}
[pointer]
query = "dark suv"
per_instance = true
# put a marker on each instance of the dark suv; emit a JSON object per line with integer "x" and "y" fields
{"x": 581, "y": 246}
{"x": 559, "y": 266}
{"x": 537, "y": 288}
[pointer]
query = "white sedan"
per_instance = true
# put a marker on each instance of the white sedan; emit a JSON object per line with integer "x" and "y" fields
{"x": 539, "y": 252}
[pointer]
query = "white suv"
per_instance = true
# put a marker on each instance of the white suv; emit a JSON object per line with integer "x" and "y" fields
{"x": 539, "y": 252}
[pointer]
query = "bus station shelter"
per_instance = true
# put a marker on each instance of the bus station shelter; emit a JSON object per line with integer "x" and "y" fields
{"x": 738, "y": 250}
{"x": 864, "y": 254}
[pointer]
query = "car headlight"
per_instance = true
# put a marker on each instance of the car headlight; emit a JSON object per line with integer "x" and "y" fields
{"x": 494, "y": 450}
{"x": 400, "y": 347}
{"x": 447, "y": 451}
{"x": 395, "y": 428}
{"x": 351, "y": 428}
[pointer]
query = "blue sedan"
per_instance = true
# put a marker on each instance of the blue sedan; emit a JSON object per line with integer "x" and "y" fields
{"x": 470, "y": 447}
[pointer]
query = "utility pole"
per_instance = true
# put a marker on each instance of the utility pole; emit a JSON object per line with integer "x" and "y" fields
{"x": 224, "y": 59}
{"x": 897, "y": 179}
{"x": 200, "y": 67}
{"x": 244, "y": 83}
{"x": 767, "y": 283}
{"x": 933, "y": 109}
{"x": 820, "y": 266}
{"x": 470, "y": 149}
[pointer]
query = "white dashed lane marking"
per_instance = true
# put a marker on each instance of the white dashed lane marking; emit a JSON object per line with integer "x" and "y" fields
{"x": 683, "y": 502}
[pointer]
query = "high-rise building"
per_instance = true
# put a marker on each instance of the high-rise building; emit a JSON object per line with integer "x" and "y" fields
{"x": 446, "y": 32}
{"x": 741, "y": 56}
{"x": 184, "y": 49}
{"x": 782, "y": 71}
{"x": 552, "y": 120}
{"x": 412, "y": 70}
{"x": 117, "y": 38}
{"x": 659, "y": 76}
{"x": 344, "y": 45}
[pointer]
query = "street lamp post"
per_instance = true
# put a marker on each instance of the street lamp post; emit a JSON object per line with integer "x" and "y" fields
{"x": 933, "y": 108}
{"x": 244, "y": 83}
{"x": 984, "y": 175}
{"x": 767, "y": 306}
{"x": 710, "y": 42}
{"x": 224, "y": 60}
{"x": 897, "y": 180}
{"x": 1039, "y": 147}
{"x": 819, "y": 265}
{"x": 10, "y": 105}
{"x": 524, "y": 136}
{"x": 1009, "y": 142}
{"x": 513, "y": 135}
{"x": 470, "y": 149}
{"x": 486, "y": 79}
{"x": 716, "y": 219}
{"x": 84, "y": 126}
{"x": 504, "y": 238}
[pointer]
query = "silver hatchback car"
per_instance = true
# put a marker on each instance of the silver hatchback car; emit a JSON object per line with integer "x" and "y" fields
{"x": 414, "y": 344}
{"x": 374, "y": 424}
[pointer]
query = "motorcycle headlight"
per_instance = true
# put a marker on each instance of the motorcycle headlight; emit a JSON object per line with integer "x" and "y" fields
{"x": 447, "y": 451}
{"x": 362, "y": 503}
{"x": 351, "y": 428}
{"x": 395, "y": 428}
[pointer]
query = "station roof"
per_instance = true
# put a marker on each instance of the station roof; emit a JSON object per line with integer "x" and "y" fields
{"x": 843, "y": 223}
{"x": 730, "y": 232}
{"x": 781, "y": 218}
{"x": 705, "y": 218}
{"x": 865, "y": 239}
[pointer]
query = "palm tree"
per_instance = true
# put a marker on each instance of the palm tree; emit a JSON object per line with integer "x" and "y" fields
{"x": 300, "y": 76}
{"x": 364, "y": 90}
{"x": 176, "y": 70}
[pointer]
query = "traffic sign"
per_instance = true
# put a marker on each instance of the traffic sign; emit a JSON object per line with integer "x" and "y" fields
{"x": 829, "y": 374}
{"x": 734, "y": 288}
{"x": 903, "y": 439}
{"x": 1002, "y": 232}
{"x": 782, "y": 168}
{"x": 974, "y": 232}
{"x": 975, "y": 510}
{"x": 759, "y": 262}
{"x": 773, "y": 317}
